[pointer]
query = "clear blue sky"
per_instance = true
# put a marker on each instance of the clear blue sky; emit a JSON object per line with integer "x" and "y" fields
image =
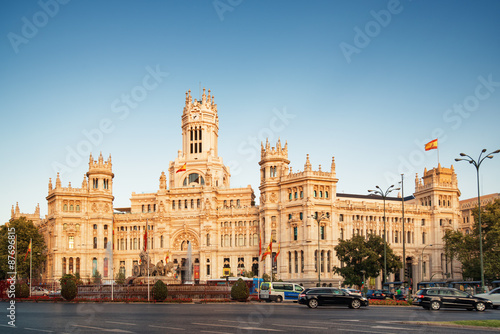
{"x": 369, "y": 82}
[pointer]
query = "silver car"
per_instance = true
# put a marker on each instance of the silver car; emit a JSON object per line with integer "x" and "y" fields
{"x": 39, "y": 291}
{"x": 493, "y": 295}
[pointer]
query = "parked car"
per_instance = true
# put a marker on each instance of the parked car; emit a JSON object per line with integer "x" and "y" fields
{"x": 375, "y": 294}
{"x": 352, "y": 291}
{"x": 493, "y": 295}
{"x": 315, "y": 297}
{"x": 39, "y": 291}
{"x": 436, "y": 298}
{"x": 55, "y": 293}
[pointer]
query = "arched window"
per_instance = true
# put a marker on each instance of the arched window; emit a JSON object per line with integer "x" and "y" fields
{"x": 423, "y": 237}
{"x": 315, "y": 193}
{"x": 95, "y": 242}
{"x": 77, "y": 208}
{"x": 255, "y": 239}
{"x": 65, "y": 207}
{"x": 320, "y": 194}
{"x": 161, "y": 241}
{"x": 135, "y": 243}
{"x": 326, "y": 194}
{"x": 194, "y": 179}
{"x": 105, "y": 242}
{"x": 70, "y": 266}
{"x": 208, "y": 239}
{"x": 64, "y": 266}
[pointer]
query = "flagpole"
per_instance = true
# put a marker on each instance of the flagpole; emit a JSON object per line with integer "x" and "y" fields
{"x": 437, "y": 151}
{"x": 31, "y": 261}
{"x": 147, "y": 254}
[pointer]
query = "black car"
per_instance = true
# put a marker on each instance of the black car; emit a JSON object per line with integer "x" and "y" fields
{"x": 376, "y": 294}
{"x": 436, "y": 298}
{"x": 315, "y": 297}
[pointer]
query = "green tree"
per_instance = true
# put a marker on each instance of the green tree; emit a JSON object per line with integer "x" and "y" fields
{"x": 69, "y": 290}
{"x": 465, "y": 247}
{"x": 96, "y": 277}
{"x": 240, "y": 290}
{"x": 24, "y": 230}
{"x": 120, "y": 278}
{"x": 160, "y": 291}
{"x": 367, "y": 254}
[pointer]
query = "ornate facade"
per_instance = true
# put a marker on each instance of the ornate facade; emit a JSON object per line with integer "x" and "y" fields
{"x": 223, "y": 225}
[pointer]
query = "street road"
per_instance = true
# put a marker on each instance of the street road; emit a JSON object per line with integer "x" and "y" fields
{"x": 228, "y": 318}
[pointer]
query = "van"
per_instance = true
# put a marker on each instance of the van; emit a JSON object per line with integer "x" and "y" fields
{"x": 280, "y": 291}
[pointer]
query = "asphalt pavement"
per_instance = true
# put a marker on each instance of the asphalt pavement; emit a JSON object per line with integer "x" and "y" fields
{"x": 229, "y": 318}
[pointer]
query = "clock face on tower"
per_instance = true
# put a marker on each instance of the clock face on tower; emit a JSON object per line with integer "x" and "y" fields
{"x": 195, "y": 117}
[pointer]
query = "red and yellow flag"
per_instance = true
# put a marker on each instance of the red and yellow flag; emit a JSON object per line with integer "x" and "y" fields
{"x": 29, "y": 250}
{"x": 278, "y": 252}
{"x": 167, "y": 256}
{"x": 269, "y": 250}
{"x": 432, "y": 145}
{"x": 182, "y": 169}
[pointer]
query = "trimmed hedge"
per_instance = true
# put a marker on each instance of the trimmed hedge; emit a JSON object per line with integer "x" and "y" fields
{"x": 240, "y": 290}
{"x": 69, "y": 290}
{"x": 160, "y": 291}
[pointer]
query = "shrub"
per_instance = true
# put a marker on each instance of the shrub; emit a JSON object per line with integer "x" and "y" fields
{"x": 22, "y": 290}
{"x": 240, "y": 290}
{"x": 96, "y": 277}
{"x": 120, "y": 278}
{"x": 69, "y": 289}
{"x": 160, "y": 291}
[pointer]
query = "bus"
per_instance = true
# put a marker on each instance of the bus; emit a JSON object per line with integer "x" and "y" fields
{"x": 252, "y": 283}
{"x": 280, "y": 291}
{"x": 471, "y": 287}
{"x": 422, "y": 285}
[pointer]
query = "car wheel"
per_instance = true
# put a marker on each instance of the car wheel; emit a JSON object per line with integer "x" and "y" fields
{"x": 480, "y": 306}
{"x": 279, "y": 299}
{"x": 435, "y": 305}
{"x": 313, "y": 303}
{"x": 355, "y": 304}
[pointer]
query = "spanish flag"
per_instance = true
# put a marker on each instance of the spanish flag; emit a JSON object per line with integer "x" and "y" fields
{"x": 432, "y": 145}
{"x": 269, "y": 251}
{"x": 29, "y": 250}
{"x": 182, "y": 169}
{"x": 278, "y": 252}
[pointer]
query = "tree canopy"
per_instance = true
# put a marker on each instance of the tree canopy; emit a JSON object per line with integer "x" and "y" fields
{"x": 24, "y": 230}
{"x": 465, "y": 247}
{"x": 360, "y": 253}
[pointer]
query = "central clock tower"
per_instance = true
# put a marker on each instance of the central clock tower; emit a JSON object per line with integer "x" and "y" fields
{"x": 198, "y": 163}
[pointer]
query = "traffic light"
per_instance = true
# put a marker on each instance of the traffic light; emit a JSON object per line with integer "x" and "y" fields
{"x": 407, "y": 272}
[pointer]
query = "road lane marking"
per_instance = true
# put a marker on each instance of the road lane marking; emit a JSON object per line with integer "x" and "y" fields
{"x": 166, "y": 327}
{"x": 116, "y": 330}
{"x": 395, "y": 328}
{"x": 358, "y": 331}
{"x": 38, "y": 330}
{"x": 121, "y": 323}
{"x": 240, "y": 327}
{"x": 298, "y": 326}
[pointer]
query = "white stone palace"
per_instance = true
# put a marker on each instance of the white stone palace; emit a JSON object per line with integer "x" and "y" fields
{"x": 195, "y": 204}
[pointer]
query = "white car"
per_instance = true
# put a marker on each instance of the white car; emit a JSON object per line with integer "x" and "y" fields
{"x": 493, "y": 295}
{"x": 39, "y": 291}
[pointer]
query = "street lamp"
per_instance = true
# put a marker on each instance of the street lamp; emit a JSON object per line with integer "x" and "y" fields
{"x": 318, "y": 219}
{"x": 477, "y": 164}
{"x": 384, "y": 194}
{"x": 422, "y": 257}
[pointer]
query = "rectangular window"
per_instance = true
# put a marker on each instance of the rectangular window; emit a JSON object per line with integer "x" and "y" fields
{"x": 71, "y": 242}
{"x": 295, "y": 233}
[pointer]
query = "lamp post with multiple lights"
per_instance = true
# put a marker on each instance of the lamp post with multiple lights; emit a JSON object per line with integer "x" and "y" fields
{"x": 477, "y": 164}
{"x": 384, "y": 195}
